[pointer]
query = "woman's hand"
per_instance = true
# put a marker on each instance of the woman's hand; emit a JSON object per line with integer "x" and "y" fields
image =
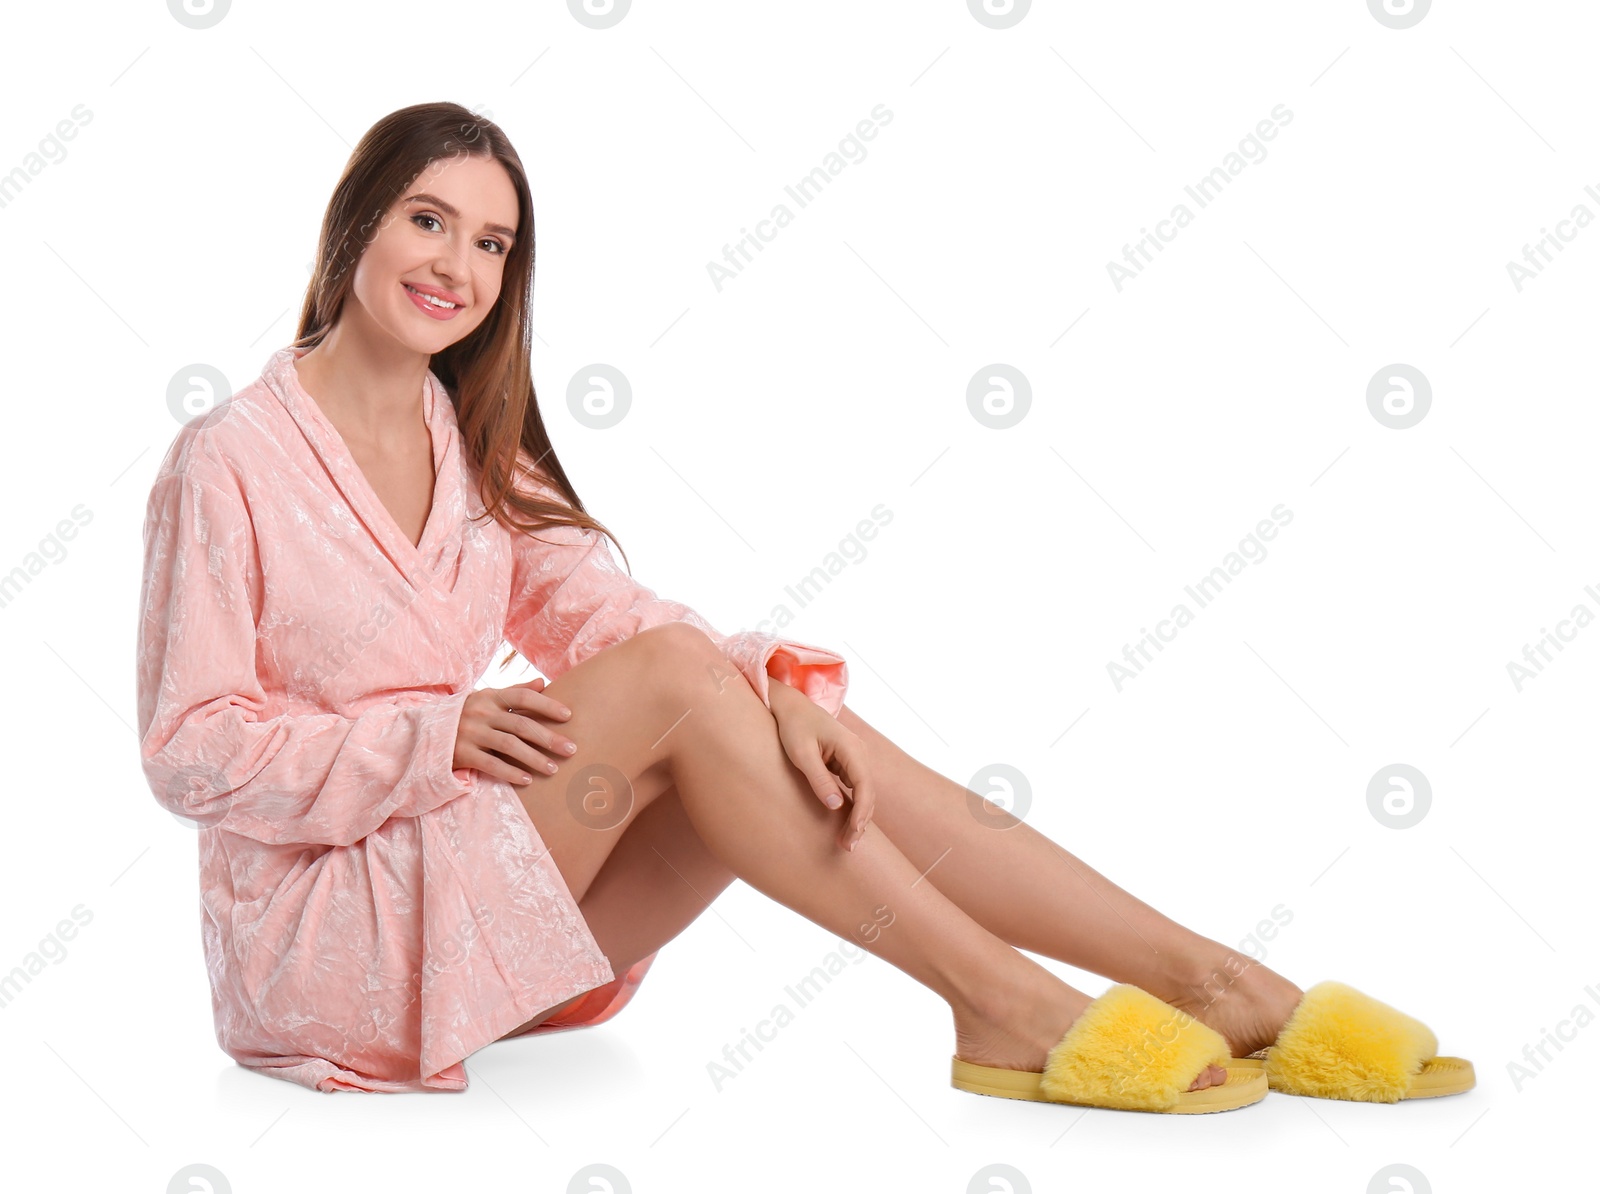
{"x": 502, "y": 722}
{"x": 833, "y": 760}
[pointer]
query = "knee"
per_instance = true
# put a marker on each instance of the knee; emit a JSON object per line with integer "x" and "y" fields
{"x": 678, "y": 641}
{"x": 681, "y": 659}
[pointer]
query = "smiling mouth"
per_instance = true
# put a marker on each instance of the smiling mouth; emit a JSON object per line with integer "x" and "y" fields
{"x": 435, "y": 300}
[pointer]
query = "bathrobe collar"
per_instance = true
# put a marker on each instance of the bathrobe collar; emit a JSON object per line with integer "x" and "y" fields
{"x": 433, "y": 562}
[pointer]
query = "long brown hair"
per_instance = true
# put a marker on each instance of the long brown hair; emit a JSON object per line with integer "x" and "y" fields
{"x": 487, "y": 373}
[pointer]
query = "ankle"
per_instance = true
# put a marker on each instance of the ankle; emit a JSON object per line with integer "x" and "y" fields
{"x": 1216, "y": 977}
{"x": 1202, "y": 971}
{"x": 1007, "y": 997}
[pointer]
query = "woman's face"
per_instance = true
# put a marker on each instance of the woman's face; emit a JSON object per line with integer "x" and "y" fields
{"x": 447, "y": 235}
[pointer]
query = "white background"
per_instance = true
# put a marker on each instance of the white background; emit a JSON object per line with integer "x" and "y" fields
{"x": 770, "y": 418}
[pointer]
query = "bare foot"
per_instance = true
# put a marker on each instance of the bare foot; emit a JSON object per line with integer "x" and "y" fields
{"x": 1239, "y": 998}
{"x": 1021, "y": 1035}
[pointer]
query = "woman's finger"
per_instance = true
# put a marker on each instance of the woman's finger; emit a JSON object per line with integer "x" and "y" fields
{"x": 538, "y": 703}
{"x": 497, "y": 768}
{"x": 532, "y": 730}
{"x": 818, "y": 776}
{"x": 853, "y": 761}
{"x": 524, "y": 713}
{"x": 520, "y": 746}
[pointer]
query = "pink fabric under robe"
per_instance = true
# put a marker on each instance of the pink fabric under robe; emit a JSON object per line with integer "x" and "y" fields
{"x": 370, "y": 915}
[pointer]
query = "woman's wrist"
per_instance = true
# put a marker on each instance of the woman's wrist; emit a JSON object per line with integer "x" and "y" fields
{"x": 781, "y": 696}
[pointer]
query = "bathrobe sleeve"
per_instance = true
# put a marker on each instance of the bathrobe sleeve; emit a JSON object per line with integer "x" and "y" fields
{"x": 570, "y": 600}
{"x": 210, "y": 752}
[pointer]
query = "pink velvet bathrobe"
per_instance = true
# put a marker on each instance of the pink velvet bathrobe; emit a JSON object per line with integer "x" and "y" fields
{"x": 370, "y": 915}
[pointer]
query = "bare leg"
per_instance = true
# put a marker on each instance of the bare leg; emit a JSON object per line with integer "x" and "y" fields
{"x": 651, "y": 887}
{"x": 1034, "y": 894}
{"x": 657, "y": 711}
{"x": 655, "y": 883}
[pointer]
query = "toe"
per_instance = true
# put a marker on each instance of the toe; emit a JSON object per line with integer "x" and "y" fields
{"x": 1212, "y": 1075}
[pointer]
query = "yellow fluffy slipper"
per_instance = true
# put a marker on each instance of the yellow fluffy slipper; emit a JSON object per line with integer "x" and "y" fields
{"x": 1342, "y": 1044}
{"x": 1128, "y": 1051}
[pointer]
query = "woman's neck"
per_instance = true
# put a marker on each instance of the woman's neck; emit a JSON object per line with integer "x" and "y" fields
{"x": 370, "y": 385}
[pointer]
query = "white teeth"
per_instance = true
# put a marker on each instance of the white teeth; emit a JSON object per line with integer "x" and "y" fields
{"x": 437, "y": 302}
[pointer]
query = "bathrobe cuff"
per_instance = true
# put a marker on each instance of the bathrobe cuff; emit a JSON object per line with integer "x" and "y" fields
{"x": 816, "y": 671}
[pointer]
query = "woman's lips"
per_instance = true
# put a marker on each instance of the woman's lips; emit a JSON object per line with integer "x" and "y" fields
{"x": 428, "y": 308}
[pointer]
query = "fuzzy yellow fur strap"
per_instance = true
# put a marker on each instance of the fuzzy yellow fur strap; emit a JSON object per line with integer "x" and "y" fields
{"x": 1342, "y": 1044}
{"x": 1130, "y": 1050}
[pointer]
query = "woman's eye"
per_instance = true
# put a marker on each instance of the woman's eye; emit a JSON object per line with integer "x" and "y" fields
{"x": 499, "y": 249}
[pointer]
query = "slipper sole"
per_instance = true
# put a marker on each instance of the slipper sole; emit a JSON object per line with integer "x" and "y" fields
{"x": 1439, "y": 1075}
{"x": 1246, "y": 1084}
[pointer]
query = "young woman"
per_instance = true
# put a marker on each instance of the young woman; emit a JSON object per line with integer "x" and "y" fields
{"x": 397, "y": 870}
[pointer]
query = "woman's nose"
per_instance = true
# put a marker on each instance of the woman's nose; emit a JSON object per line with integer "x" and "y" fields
{"x": 450, "y": 263}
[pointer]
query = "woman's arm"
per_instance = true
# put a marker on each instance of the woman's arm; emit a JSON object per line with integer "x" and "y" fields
{"x": 570, "y": 600}
{"x": 207, "y": 751}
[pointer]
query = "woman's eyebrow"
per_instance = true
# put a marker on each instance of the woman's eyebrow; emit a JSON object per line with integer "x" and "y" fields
{"x": 449, "y": 210}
